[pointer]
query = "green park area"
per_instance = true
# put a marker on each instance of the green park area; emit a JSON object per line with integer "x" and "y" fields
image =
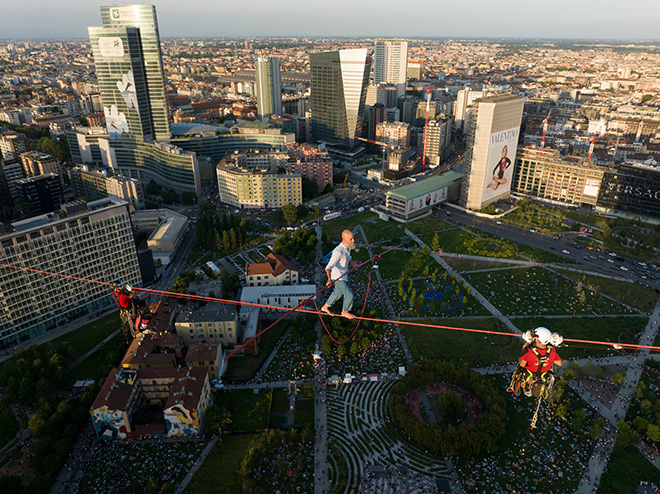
{"x": 427, "y": 224}
{"x": 625, "y": 469}
{"x": 534, "y": 291}
{"x": 332, "y": 229}
{"x": 242, "y": 367}
{"x": 639, "y": 296}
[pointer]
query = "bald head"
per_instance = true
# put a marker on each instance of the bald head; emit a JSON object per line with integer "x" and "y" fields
{"x": 347, "y": 239}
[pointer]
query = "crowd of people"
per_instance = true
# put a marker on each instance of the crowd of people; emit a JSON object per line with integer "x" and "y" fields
{"x": 392, "y": 479}
{"x": 131, "y": 466}
{"x": 293, "y": 359}
{"x": 527, "y": 465}
{"x": 511, "y": 290}
{"x": 288, "y": 466}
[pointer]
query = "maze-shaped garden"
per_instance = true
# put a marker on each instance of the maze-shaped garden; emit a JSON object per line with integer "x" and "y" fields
{"x": 361, "y": 436}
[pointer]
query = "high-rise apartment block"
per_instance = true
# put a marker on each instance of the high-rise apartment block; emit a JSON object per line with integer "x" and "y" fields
{"x": 465, "y": 98}
{"x": 438, "y": 139}
{"x": 268, "y": 87}
{"x": 85, "y": 240}
{"x": 39, "y": 195}
{"x": 338, "y": 90}
{"x": 91, "y": 185}
{"x": 12, "y": 145}
{"x": 390, "y": 61}
{"x": 491, "y": 145}
{"x": 415, "y": 69}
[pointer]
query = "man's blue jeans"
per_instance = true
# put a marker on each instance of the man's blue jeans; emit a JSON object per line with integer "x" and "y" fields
{"x": 341, "y": 290}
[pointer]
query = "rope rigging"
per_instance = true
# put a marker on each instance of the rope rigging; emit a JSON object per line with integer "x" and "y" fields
{"x": 300, "y": 309}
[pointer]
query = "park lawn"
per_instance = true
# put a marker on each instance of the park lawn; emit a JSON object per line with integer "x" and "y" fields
{"x": 633, "y": 294}
{"x": 464, "y": 265}
{"x": 475, "y": 349}
{"x": 378, "y": 231}
{"x": 99, "y": 363}
{"x": 218, "y": 473}
{"x": 244, "y": 367}
{"x": 536, "y": 291}
{"x": 625, "y": 469}
{"x": 427, "y": 224}
{"x": 279, "y": 408}
{"x": 91, "y": 334}
{"x": 450, "y": 240}
{"x": 333, "y": 228}
{"x": 614, "y": 329}
{"x": 249, "y": 411}
{"x": 393, "y": 263}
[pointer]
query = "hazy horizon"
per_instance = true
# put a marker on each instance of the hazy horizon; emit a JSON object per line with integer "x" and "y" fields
{"x": 589, "y": 20}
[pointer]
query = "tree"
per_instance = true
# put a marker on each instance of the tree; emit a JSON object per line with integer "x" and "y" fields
{"x": 310, "y": 188}
{"x": 354, "y": 347}
{"x": 364, "y": 343}
{"x": 617, "y": 377}
{"x": 435, "y": 243}
{"x": 289, "y": 214}
{"x": 170, "y": 197}
{"x": 328, "y": 189}
{"x": 626, "y": 435}
{"x": 596, "y": 428}
{"x": 653, "y": 431}
{"x": 189, "y": 198}
{"x": 341, "y": 350}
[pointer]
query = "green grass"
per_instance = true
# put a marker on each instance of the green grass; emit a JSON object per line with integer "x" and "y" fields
{"x": 243, "y": 368}
{"x": 451, "y": 240}
{"x": 218, "y": 473}
{"x": 467, "y": 265}
{"x": 460, "y": 346}
{"x": 249, "y": 411}
{"x": 378, "y": 231}
{"x": 88, "y": 336}
{"x": 427, "y": 224}
{"x": 535, "y": 291}
{"x": 625, "y": 470}
{"x": 99, "y": 363}
{"x": 639, "y": 296}
{"x": 393, "y": 263}
{"x": 333, "y": 228}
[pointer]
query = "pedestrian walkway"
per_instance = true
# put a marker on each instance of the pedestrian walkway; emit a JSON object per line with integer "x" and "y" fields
{"x": 198, "y": 463}
{"x": 480, "y": 298}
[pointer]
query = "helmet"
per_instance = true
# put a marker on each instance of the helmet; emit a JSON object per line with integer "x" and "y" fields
{"x": 556, "y": 339}
{"x": 117, "y": 285}
{"x": 543, "y": 335}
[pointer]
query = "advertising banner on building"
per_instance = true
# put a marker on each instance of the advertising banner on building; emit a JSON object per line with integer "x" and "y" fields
{"x": 499, "y": 167}
{"x": 591, "y": 187}
{"x": 425, "y": 201}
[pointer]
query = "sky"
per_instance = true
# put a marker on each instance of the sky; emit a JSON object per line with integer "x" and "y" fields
{"x": 584, "y": 19}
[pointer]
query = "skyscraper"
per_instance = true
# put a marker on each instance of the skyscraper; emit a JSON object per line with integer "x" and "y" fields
{"x": 129, "y": 69}
{"x": 338, "y": 91}
{"x": 492, "y": 143}
{"x": 267, "y": 80}
{"x": 390, "y": 61}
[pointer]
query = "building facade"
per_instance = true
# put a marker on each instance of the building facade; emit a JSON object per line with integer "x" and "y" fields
{"x": 274, "y": 270}
{"x": 542, "y": 173}
{"x": 633, "y": 190}
{"x": 212, "y": 324}
{"x": 92, "y": 240}
{"x": 36, "y": 163}
{"x": 268, "y": 87}
{"x": 310, "y": 162}
{"x": 390, "y": 61}
{"x": 417, "y": 199}
{"x": 491, "y": 146}
{"x": 395, "y": 134}
{"x": 338, "y": 89}
{"x": 39, "y": 195}
{"x": 12, "y": 145}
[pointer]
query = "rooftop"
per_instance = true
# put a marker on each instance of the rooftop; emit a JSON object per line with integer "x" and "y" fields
{"x": 274, "y": 264}
{"x": 211, "y": 312}
{"x": 425, "y": 186}
{"x": 187, "y": 387}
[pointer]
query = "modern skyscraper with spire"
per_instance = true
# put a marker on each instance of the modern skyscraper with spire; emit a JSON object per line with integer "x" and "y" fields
{"x": 129, "y": 69}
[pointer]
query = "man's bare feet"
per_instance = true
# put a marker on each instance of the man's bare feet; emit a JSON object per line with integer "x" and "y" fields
{"x": 346, "y": 314}
{"x": 326, "y": 309}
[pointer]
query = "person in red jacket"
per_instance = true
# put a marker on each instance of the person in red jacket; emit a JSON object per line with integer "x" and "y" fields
{"x": 539, "y": 360}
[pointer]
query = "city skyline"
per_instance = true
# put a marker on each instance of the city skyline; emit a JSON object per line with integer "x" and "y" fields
{"x": 471, "y": 19}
